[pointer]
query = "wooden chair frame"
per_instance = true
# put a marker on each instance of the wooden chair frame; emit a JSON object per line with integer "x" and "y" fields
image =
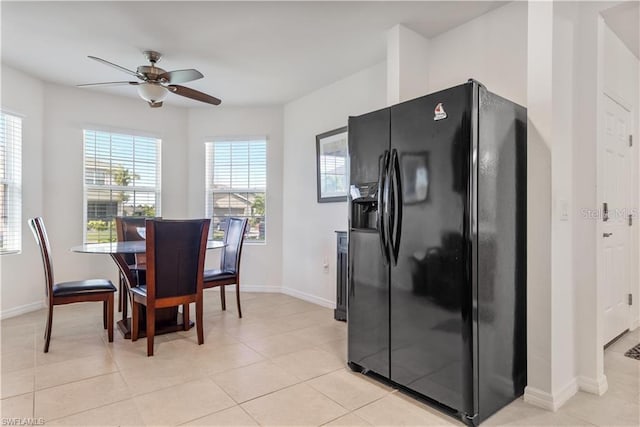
{"x": 37, "y": 226}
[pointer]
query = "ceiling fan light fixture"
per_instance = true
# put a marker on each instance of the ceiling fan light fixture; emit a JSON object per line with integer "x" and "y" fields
{"x": 152, "y": 92}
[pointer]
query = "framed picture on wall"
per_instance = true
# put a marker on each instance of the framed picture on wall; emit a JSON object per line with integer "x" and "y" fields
{"x": 332, "y": 166}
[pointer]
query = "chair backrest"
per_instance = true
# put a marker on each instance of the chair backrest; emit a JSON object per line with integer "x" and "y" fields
{"x": 127, "y": 230}
{"x": 175, "y": 257}
{"x": 233, "y": 239}
{"x": 127, "y": 227}
{"x": 40, "y": 233}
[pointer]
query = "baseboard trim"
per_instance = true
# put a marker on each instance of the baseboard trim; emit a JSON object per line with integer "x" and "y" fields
{"x": 257, "y": 288}
{"x": 590, "y": 385}
{"x": 308, "y": 297}
{"x": 550, "y": 402}
{"x": 23, "y": 309}
{"x": 27, "y": 308}
{"x": 538, "y": 398}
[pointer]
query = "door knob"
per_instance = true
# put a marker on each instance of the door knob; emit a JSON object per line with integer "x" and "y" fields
{"x": 607, "y": 234}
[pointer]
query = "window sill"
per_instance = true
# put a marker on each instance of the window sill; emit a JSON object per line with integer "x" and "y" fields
{"x": 16, "y": 252}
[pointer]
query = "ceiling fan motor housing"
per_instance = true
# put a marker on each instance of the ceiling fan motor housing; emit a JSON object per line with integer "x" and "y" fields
{"x": 150, "y": 72}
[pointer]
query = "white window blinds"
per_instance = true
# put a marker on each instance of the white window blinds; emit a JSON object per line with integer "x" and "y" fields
{"x": 10, "y": 183}
{"x": 236, "y": 185}
{"x": 121, "y": 178}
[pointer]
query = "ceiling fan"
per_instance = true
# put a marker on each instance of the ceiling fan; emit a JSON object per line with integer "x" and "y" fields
{"x": 157, "y": 83}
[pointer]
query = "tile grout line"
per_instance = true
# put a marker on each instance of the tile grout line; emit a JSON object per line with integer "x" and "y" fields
{"x": 250, "y": 416}
{"x": 299, "y": 381}
{"x": 219, "y": 410}
{"x": 74, "y": 381}
{"x": 89, "y": 409}
{"x": 271, "y": 392}
{"x": 387, "y": 393}
{"x": 96, "y": 407}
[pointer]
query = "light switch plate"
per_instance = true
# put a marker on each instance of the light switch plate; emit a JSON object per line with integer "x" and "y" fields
{"x": 564, "y": 210}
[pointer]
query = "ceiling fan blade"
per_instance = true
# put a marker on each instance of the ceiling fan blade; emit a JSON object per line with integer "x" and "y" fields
{"x": 180, "y": 76}
{"x": 111, "y": 64}
{"x": 108, "y": 84}
{"x": 194, "y": 94}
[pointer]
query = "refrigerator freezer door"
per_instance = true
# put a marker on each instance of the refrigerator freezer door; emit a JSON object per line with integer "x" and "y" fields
{"x": 368, "y": 296}
{"x": 368, "y": 140}
{"x": 430, "y": 295}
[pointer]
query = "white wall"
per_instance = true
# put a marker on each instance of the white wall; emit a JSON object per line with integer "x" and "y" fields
{"x": 408, "y": 59}
{"x": 308, "y": 236}
{"x": 539, "y": 133}
{"x": 21, "y": 282}
{"x": 572, "y": 57}
{"x": 53, "y": 181}
{"x": 564, "y": 384}
{"x": 67, "y": 112}
{"x": 54, "y": 119}
{"x": 491, "y": 49}
{"x": 261, "y": 267}
{"x": 588, "y": 350}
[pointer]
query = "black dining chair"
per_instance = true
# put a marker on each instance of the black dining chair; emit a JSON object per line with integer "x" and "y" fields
{"x": 70, "y": 292}
{"x": 175, "y": 266}
{"x": 229, "y": 271}
{"x": 127, "y": 231}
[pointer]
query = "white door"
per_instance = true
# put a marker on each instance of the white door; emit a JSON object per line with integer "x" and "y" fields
{"x": 615, "y": 192}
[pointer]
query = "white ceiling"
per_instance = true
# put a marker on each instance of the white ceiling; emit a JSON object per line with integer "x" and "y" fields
{"x": 624, "y": 20}
{"x": 251, "y": 53}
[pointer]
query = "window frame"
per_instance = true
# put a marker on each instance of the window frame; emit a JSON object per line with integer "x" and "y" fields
{"x": 86, "y": 188}
{"x": 209, "y": 192}
{"x": 13, "y": 182}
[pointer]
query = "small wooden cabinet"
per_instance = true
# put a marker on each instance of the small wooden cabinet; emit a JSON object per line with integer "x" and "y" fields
{"x": 340, "y": 313}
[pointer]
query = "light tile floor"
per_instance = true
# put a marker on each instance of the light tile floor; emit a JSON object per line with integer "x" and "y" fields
{"x": 282, "y": 364}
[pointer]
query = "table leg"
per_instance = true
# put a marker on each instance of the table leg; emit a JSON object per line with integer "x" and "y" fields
{"x": 127, "y": 277}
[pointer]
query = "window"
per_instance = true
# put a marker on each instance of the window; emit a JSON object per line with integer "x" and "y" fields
{"x": 236, "y": 174}
{"x": 10, "y": 183}
{"x": 121, "y": 178}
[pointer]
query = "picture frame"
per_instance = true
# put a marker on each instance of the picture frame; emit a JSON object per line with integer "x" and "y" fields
{"x": 332, "y": 166}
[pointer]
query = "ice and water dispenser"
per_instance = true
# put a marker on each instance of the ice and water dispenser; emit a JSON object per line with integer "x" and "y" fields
{"x": 364, "y": 206}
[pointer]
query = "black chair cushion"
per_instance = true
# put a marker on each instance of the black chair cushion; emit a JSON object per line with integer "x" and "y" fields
{"x": 213, "y": 275}
{"x": 140, "y": 290}
{"x": 83, "y": 287}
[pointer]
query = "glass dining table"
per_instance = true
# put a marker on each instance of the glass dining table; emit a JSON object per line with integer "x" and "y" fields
{"x": 167, "y": 319}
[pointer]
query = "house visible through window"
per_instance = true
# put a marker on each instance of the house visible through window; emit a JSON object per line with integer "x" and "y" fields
{"x": 10, "y": 183}
{"x": 236, "y": 185}
{"x": 121, "y": 178}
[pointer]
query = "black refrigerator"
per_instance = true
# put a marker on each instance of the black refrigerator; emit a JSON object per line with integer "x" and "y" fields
{"x": 437, "y": 249}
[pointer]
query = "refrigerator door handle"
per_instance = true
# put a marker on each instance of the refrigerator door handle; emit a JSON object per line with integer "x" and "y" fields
{"x": 382, "y": 223}
{"x": 396, "y": 226}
